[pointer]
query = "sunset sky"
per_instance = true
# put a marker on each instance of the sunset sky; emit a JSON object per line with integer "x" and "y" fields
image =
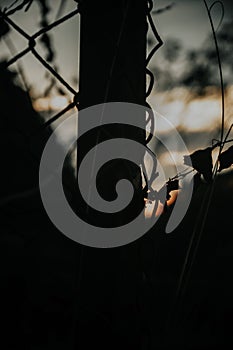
{"x": 186, "y": 21}
{"x": 112, "y": 234}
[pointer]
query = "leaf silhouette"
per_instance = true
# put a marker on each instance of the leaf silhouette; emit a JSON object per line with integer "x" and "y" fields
{"x": 172, "y": 185}
{"x": 226, "y": 159}
{"x": 201, "y": 160}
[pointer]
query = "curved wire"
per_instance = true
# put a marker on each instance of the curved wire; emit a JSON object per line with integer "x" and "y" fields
{"x": 201, "y": 219}
{"x": 151, "y": 83}
{"x": 150, "y": 120}
{"x": 155, "y": 32}
{"x": 219, "y": 65}
{"x": 148, "y": 72}
{"x": 222, "y": 8}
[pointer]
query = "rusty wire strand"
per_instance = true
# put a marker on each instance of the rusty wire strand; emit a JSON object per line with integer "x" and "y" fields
{"x": 55, "y": 23}
{"x": 17, "y": 57}
{"x": 15, "y": 26}
{"x": 57, "y": 116}
{"x": 52, "y": 70}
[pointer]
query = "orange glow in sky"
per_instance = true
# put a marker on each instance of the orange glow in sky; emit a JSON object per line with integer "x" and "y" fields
{"x": 58, "y": 102}
{"x": 54, "y": 103}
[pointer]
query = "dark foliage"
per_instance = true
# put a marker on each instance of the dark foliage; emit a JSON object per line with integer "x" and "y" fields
{"x": 201, "y": 160}
{"x": 36, "y": 261}
{"x": 226, "y": 159}
{"x": 4, "y": 28}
